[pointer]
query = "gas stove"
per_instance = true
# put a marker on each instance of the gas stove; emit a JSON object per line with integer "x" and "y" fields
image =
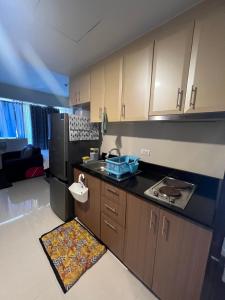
{"x": 172, "y": 191}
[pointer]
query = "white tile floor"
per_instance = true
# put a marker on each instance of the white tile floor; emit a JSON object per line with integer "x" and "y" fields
{"x": 25, "y": 273}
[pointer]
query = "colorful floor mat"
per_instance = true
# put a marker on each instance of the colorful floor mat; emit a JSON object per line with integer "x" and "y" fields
{"x": 71, "y": 250}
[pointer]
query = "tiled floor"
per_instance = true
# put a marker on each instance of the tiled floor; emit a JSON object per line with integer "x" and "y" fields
{"x": 25, "y": 273}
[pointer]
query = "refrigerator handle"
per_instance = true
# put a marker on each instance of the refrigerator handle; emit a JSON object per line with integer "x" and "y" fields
{"x": 223, "y": 259}
{"x": 66, "y": 170}
{"x": 223, "y": 249}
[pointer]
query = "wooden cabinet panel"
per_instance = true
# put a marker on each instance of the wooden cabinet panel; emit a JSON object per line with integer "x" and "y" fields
{"x": 74, "y": 91}
{"x": 80, "y": 89}
{"x": 140, "y": 237}
{"x": 172, "y": 53}
{"x": 136, "y": 82}
{"x": 97, "y": 92}
{"x": 112, "y": 234}
{"x": 84, "y": 91}
{"x": 113, "y": 203}
{"x": 113, "y": 88}
{"x": 89, "y": 212}
{"x": 206, "y": 88}
{"x": 181, "y": 257}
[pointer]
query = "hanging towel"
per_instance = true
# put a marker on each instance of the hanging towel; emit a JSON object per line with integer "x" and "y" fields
{"x": 104, "y": 122}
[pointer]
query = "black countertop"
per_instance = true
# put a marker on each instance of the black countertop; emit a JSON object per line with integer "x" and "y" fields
{"x": 201, "y": 207}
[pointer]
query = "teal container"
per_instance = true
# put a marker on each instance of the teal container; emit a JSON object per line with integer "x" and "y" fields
{"x": 122, "y": 164}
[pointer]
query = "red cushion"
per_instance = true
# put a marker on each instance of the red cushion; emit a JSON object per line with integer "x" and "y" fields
{"x": 34, "y": 172}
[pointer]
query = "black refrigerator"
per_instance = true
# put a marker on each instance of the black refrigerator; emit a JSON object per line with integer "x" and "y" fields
{"x": 62, "y": 155}
{"x": 214, "y": 284}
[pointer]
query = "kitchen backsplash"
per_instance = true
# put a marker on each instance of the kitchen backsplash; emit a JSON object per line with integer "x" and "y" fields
{"x": 80, "y": 128}
{"x": 197, "y": 147}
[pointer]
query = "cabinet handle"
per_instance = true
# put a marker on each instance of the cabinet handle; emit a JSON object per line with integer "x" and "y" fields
{"x": 193, "y": 96}
{"x": 112, "y": 192}
{"x": 110, "y": 225}
{"x": 153, "y": 221}
{"x": 79, "y": 96}
{"x": 111, "y": 209}
{"x": 165, "y": 228}
{"x": 123, "y": 110}
{"x": 100, "y": 113}
{"x": 179, "y": 98}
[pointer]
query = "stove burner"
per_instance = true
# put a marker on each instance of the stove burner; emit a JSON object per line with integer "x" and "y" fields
{"x": 170, "y": 191}
{"x": 178, "y": 184}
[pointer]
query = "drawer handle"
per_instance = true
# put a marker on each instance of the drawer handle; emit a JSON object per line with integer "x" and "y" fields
{"x": 110, "y": 225}
{"x": 112, "y": 192}
{"x": 111, "y": 209}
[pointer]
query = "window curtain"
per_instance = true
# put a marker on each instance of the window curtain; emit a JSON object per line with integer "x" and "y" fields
{"x": 11, "y": 116}
{"x": 27, "y": 122}
{"x": 40, "y": 125}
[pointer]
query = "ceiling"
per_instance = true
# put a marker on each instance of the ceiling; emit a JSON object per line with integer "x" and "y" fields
{"x": 67, "y": 35}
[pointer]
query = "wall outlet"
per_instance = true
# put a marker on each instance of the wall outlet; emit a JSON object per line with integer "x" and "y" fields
{"x": 145, "y": 152}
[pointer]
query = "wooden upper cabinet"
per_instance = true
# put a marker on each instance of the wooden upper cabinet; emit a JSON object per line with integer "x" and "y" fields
{"x": 181, "y": 258}
{"x": 206, "y": 85}
{"x": 74, "y": 91}
{"x": 84, "y": 87}
{"x": 137, "y": 67}
{"x": 80, "y": 89}
{"x": 172, "y": 53}
{"x": 142, "y": 220}
{"x": 113, "y": 88}
{"x": 97, "y": 92}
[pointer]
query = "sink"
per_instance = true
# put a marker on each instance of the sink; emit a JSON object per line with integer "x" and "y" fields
{"x": 98, "y": 166}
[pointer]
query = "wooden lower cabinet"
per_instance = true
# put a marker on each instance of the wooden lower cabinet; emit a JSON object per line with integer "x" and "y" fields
{"x": 165, "y": 251}
{"x": 112, "y": 234}
{"x": 181, "y": 257}
{"x": 89, "y": 212}
{"x": 140, "y": 238}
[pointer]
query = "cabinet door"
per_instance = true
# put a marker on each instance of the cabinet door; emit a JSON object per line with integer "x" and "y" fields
{"x": 170, "y": 70}
{"x": 74, "y": 91}
{"x": 206, "y": 85}
{"x": 181, "y": 257}
{"x": 89, "y": 212}
{"x": 97, "y": 92}
{"x": 113, "y": 88}
{"x": 140, "y": 238}
{"x": 84, "y": 91}
{"x": 136, "y": 82}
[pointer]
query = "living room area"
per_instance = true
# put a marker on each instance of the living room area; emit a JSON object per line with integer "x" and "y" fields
{"x": 25, "y": 108}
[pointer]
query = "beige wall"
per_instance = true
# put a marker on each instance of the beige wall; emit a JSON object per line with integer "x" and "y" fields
{"x": 192, "y": 146}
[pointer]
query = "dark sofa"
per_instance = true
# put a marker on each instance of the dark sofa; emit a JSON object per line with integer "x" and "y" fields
{"x": 16, "y": 164}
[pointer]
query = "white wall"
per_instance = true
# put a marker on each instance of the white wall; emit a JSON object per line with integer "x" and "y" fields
{"x": 23, "y": 94}
{"x": 191, "y": 146}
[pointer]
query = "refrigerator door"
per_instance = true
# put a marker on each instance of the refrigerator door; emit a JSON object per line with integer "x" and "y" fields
{"x": 61, "y": 201}
{"x": 58, "y": 146}
{"x": 214, "y": 285}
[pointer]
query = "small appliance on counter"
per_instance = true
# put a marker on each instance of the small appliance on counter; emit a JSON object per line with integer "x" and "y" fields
{"x": 172, "y": 191}
{"x": 94, "y": 153}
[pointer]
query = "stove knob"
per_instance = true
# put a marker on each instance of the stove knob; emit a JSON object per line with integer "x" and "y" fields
{"x": 156, "y": 193}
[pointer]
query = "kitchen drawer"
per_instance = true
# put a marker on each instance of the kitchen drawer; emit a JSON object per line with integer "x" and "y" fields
{"x": 114, "y": 209}
{"x": 113, "y": 203}
{"x": 112, "y": 234}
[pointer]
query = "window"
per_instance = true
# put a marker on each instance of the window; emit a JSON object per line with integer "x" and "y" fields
{"x": 22, "y": 120}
